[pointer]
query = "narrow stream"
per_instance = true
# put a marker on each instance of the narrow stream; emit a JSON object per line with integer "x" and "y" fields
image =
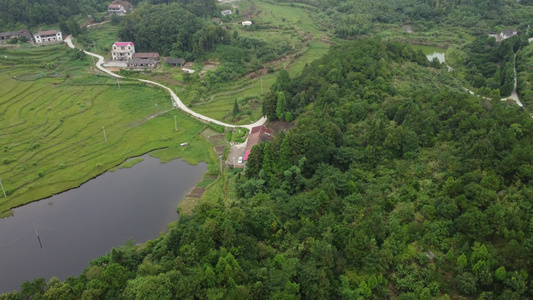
{"x": 84, "y": 223}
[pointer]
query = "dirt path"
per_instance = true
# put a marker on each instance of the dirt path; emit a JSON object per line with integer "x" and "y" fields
{"x": 514, "y": 95}
{"x": 176, "y": 99}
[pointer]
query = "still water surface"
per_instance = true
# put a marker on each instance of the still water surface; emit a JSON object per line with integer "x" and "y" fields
{"x": 84, "y": 223}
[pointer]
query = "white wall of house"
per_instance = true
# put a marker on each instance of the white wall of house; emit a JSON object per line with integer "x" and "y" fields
{"x": 122, "y": 52}
{"x": 120, "y": 10}
{"x": 49, "y": 38}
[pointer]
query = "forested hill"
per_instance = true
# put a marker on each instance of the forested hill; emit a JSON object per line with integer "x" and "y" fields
{"x": 178, "y": 27}
{"x": 393, "y": 183}
{"x": 350, "y": 18}
{"x": 35, "y": 12}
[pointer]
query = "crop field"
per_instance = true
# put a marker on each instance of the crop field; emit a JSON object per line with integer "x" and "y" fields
{"x": 283, "y": 22}
{"x": 52, "y": 119}
{"x": 104, "y": 36}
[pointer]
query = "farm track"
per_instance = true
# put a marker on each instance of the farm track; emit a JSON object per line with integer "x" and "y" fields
{"x": 175, "y": 98}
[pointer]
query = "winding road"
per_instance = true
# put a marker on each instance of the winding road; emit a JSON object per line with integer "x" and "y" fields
{"x": 176, "y": 99}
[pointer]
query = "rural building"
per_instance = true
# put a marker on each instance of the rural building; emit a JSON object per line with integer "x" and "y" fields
{"x": 258, "y": 134}
{"x": 175, "y": 62}
{"x": 246, "y": 23}
{"x": 143, "y": 61}
{"x": 5, "y": 36}
{"x": 123, "y": 51}
{"x": 148, "y": 55}
{"x": 116, "y": 9}
{"x": 48, "y": 37}
{"x": 226, "y": 12}
{"x": 505, "y": 34}
{"x": 137, "y": 63}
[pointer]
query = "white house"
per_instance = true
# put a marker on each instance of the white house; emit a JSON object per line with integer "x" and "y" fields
{"x": 226, "y": 12}
{"x": 123, "y": 51}
{"x": 246, "y": 23}
{"x": 505, "y": 34}
{"x": 48, "y": 37}
{"x": 116, "y": 9}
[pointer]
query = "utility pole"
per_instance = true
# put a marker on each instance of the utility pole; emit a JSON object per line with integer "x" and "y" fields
{"x": 3, "y": 188}
{"x": 94, "y": 49}
{"x": 527, "y": 32}
{"x": 175, "y": 124}
{"x": 261, "y": 86}
{"x": 220, "y": 165}
{"x": 105, "y": 137}
{"x": 118, "y": 82}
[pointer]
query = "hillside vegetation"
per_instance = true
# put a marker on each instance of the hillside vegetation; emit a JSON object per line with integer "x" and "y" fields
{"x": 30, "y": 13}
{"x": 389, "y": 160}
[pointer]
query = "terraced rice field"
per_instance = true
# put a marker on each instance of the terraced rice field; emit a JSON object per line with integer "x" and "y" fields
{"x": 52, "y": 114}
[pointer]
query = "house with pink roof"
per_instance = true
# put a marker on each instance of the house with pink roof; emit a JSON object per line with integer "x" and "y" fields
{"x": 257, "y": 134}
{"x": 123, "y": 51}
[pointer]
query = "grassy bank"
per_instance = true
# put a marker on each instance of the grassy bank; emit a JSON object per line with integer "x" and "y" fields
{"x": 52, "y": 116}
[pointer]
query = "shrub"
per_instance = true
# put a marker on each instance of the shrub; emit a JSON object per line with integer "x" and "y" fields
{"x": 216, "y": 127}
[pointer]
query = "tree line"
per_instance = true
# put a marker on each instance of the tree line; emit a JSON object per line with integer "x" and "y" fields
{"x": 31, "y": 13}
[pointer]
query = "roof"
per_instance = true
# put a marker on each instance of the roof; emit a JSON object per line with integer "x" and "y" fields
{"x": 172, "y": 60}
{"x": 25, "y": 32}
{"x": 258, "y": 134}
{"x": 138, "y": 61}
{"x": 47, "y": 32}
{"x": 261, "y": 128}
{"x": 226, "y": 12}
{"x": 115, "y": 5}
{"x": 122, "y": 44}
{"x": 246, "y": 154}
{"x": 142, "y": 55}
{"x": 508, "y": 32}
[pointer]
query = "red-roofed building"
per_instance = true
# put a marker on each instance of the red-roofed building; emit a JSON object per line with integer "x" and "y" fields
{"x": 123, "y": 51}
{"x": 257, "y": 134}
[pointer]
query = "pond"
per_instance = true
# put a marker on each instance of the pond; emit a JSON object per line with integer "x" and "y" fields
{"x": 81, "y": 224}
{"x": 432, "y": 52}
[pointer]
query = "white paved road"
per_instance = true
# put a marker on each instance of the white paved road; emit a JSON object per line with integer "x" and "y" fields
{"x": 176, "y": 99}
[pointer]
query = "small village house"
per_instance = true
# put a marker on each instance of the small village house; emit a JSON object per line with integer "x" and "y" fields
{"x": 246, "y": 23}
{"x": 505, "y": 34}
{"x": 175, "y": 62}
{"x": 6, "y": 36}
{"x": 144, "y": 61}
{"x": 48, "y": 37}
{"x": 122, "y": 51}
{"x": 116, "y": 9}
{"x": 257, "y": 134}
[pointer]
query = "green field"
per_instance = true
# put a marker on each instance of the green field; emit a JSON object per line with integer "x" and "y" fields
{"x": 51, "y": 116}
{"x": 285, "y": 22}
{"x": 104, "y": 35}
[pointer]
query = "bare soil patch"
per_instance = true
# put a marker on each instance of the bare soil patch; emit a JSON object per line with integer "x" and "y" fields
{"x": 196, "y": 192}
{"x": 277, "y": 126}
{"x": 220, "y": 149}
